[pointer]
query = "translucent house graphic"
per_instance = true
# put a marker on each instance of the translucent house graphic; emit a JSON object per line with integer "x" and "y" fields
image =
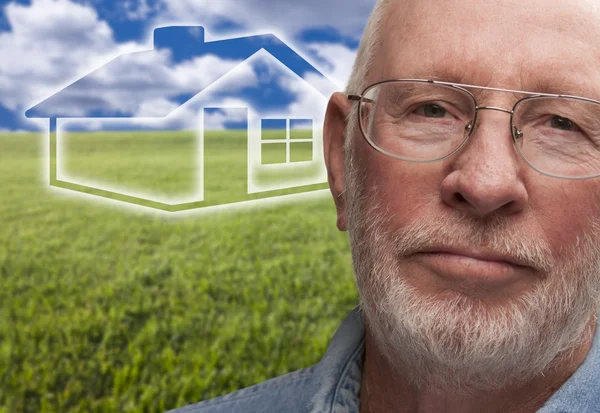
{"x": 283, "y": 149}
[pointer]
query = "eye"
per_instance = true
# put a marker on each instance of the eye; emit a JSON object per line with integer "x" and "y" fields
{"x": 565, "y": 124}
{"x": 431, "y": 110}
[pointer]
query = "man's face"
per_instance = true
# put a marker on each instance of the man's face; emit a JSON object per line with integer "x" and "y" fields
{"x": 448, "y": 320}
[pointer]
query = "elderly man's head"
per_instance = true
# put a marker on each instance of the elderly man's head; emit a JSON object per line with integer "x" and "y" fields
{"x": 450, "y": 322}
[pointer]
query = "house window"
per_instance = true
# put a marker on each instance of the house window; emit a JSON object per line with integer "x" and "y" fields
{"x": 286, "y": 141}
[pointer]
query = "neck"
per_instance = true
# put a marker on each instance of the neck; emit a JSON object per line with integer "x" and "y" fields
{"x": 383, "y": 389}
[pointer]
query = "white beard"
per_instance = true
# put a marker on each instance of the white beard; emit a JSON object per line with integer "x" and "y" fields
{"x": 460, "y": 344}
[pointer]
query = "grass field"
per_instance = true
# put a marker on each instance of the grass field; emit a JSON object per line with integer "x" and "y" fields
{"x": 108, "y": 309}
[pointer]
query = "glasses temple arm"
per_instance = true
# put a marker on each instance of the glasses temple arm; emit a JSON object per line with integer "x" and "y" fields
{"x": 358, "y": 98}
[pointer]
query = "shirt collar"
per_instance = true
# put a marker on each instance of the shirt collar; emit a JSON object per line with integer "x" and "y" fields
{"x": 340, "y": 369}
{"x": 579, "y": 394}
{"x": 341, "y": 372}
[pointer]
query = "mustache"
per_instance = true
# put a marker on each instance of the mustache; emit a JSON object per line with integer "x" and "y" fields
{"x": 495, "y": 234}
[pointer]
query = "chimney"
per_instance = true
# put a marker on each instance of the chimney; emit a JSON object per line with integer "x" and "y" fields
{"x": 184, "y": 42}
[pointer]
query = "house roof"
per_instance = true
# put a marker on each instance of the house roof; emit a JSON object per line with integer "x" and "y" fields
{"x": 81, "y": 98}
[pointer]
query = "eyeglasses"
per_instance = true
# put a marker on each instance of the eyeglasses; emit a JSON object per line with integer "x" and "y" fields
{"x": 426, "y": 121}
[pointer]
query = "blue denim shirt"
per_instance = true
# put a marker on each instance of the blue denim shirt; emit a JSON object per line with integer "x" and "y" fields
{"x": 333, "y": 384}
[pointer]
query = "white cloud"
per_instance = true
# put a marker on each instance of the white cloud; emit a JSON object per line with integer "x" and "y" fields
{"x": 339, "y": 60}
{"x": 308, "y": 104}
{"x": 216, "y": 120}
{"x": 256, "y": 73}
{"x": 198, "y": 73}
{"x": 137, "y": 10}
{"x": 142, "y": 84}
{"x": 156, "y": 107}
{"x": 52, "y": 42}
{"x": 184, "y": 117}
{"x": 133, "y": 83}
{"x": 283, "y": 16}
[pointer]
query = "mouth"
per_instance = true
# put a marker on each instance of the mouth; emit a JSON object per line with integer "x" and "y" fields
{"x": 472, "y": 266}
{"x": 478, "y": 255}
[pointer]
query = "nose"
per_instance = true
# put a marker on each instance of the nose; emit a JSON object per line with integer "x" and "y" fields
{"x": 485, "y": 175}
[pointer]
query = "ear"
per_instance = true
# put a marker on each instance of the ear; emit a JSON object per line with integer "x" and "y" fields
{"x": 333, "y": 145}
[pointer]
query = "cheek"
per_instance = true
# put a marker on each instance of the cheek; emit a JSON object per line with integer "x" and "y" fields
{"x": 565, "y": 210}
{"x": 401, "y": 189}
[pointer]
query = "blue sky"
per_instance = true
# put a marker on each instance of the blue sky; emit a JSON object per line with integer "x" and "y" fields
{"x": 46, "y": 45}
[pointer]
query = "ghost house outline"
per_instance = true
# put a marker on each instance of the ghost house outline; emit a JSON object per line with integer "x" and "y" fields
{"x": 77, "y": 102}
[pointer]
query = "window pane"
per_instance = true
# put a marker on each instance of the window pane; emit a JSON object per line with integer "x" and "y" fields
{"x": 273, "y": 128}
{"x": 273, "y": 153}
{"x": 301, "y": 151}
{"x": 301, "y": 129}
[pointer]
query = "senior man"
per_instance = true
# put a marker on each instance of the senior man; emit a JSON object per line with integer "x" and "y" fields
{"x": 464, "y": 163}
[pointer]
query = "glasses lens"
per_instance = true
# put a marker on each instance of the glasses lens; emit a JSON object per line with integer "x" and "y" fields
{"x": 559, "y": 136}
{"x": 416, "y": 120}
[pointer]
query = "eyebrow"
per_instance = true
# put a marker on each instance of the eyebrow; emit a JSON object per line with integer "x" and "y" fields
{"x": 556, "y": 83}
{"x": 564, "y": 85}
{"x": 437, "y": 73}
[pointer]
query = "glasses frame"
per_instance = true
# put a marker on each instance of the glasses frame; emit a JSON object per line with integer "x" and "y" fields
{"x": 515, "y": 132}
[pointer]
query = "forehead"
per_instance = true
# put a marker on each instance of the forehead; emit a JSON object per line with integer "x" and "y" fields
{"x": 538, "y": 45}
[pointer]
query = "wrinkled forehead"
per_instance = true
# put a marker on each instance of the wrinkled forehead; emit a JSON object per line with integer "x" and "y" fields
{"x": 540, "y": 45}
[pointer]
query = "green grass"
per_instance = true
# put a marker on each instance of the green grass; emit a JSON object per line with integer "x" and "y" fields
{"x": 108, "y": 309}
